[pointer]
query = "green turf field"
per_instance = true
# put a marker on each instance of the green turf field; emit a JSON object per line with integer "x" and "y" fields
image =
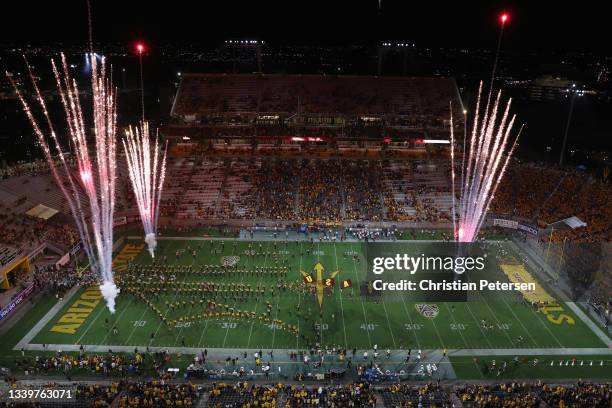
{"x": 348, "y": 318}
{"x": 549, "y": 367}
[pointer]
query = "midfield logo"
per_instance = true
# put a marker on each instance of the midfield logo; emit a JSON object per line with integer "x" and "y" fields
{"x": 230, "y": 260}
{"x": 428, "y": 311}
{"x": 319, "y": 281}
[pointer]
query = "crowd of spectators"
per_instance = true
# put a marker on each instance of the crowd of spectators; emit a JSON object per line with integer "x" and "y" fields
{"x": 57, "y": 280}
{"x": 159, "y": 393}
{"x": 320, "y": 198}
{"x": 128, "y": 393}
{"x": 499, "y": 395}
{"x": 273, "y": 190}
{"x": 350, "y": 395}
{"x": 581, "y": 394}
{"x": 137, "y": 363}
{"x": 547, "y": 194}
{"x": 20, "y": 230}
{"x": 332, "y": 190}
{"x": 410, "y": 395}
{"x": 21, "y": 168}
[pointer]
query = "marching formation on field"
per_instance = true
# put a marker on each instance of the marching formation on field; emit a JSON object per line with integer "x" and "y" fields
{"x": 181, "y": 295}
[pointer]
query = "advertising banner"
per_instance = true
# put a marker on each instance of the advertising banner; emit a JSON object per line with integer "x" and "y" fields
{"x": 16, "y": 301}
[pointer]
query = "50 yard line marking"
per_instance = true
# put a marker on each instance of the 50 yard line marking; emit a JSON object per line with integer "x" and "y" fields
{"x": 416, "y": 337}
{"x": 236, "y": 301}
{"x": 256, "y": 303}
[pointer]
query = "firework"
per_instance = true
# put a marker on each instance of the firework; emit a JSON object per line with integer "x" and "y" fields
{"x": 483, "y": 166}
{"x": 147, "y": 170}
{"x": 95, "y": 171}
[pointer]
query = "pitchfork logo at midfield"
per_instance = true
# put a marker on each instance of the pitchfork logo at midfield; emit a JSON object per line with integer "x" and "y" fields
{"x": 319, "y": 281}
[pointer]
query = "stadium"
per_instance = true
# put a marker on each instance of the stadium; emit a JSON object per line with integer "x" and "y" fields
{"x": 279, "y": 191}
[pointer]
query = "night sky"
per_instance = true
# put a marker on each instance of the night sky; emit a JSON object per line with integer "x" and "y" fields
{"x": 539, "y": 25}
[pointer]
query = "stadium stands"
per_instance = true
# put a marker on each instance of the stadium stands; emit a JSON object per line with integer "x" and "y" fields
{"x": 205, "y": 94}
{"x": 278, "y": 188}
{"x": 160, "y": 393}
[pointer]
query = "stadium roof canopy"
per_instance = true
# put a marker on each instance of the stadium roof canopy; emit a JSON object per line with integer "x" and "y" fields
{"x": 41, "y": 211}
{"x": 571, "y": 222}
{"x": 574, "y": 222}
{"x": 222, "y": 94}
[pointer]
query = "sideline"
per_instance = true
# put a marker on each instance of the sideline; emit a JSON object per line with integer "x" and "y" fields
{"x": 24, "y": 342}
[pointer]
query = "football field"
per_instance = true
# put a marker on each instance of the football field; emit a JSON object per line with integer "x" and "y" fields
{"x": 243, "y": 294}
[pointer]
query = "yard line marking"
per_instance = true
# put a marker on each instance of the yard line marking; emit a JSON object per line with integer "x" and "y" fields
{"x": 278, "y": 301}
{"x": 297, "y": 343}
{"x": 118, "y": 318}
{"x": 361, "y": 300}
{"x": 209, "y": 319}
{"x": 165, "y": 314}
{"x": 190, "y": 309}
{"x": 160, "y": 252}
{"x": 531, "y": 260}
{"x": 389, "y": 324}
{"x": 478, "y": 324}
{"x": 455, "y": 323}
{"x": 256, "y": 303}
{"x": 437, "y": 332}
{"x": 91, "y": 324}
{"x": 521, "y": 323}
{"x": 236, "y": 302}
{"x": 539, "y": 318}
{"x": 98, "y": 315}
{"x": 340, "y": 295}
{"x": 416, "y": 337}
{"x": 495, "y": 317}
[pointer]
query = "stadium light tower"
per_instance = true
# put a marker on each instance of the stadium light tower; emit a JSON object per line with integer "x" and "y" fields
{"x": 140, "y": 48}
{"x": 573, "y": 92}
{"x": 503, "y": 18}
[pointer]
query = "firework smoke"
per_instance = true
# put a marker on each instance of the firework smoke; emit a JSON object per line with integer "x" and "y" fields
{"x": 96, "y": 225}
{"x": 147, "y": 171}
{"x": 483, "y": 165}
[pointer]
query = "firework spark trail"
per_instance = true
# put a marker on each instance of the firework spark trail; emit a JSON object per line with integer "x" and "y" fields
{"x": 147, "y": 173}
{"x": 96, "y": 225}
{"x": 486, "y": 158}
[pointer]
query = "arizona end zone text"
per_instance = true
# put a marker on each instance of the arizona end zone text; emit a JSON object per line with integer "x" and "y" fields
{"x": 428, "y": 285}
